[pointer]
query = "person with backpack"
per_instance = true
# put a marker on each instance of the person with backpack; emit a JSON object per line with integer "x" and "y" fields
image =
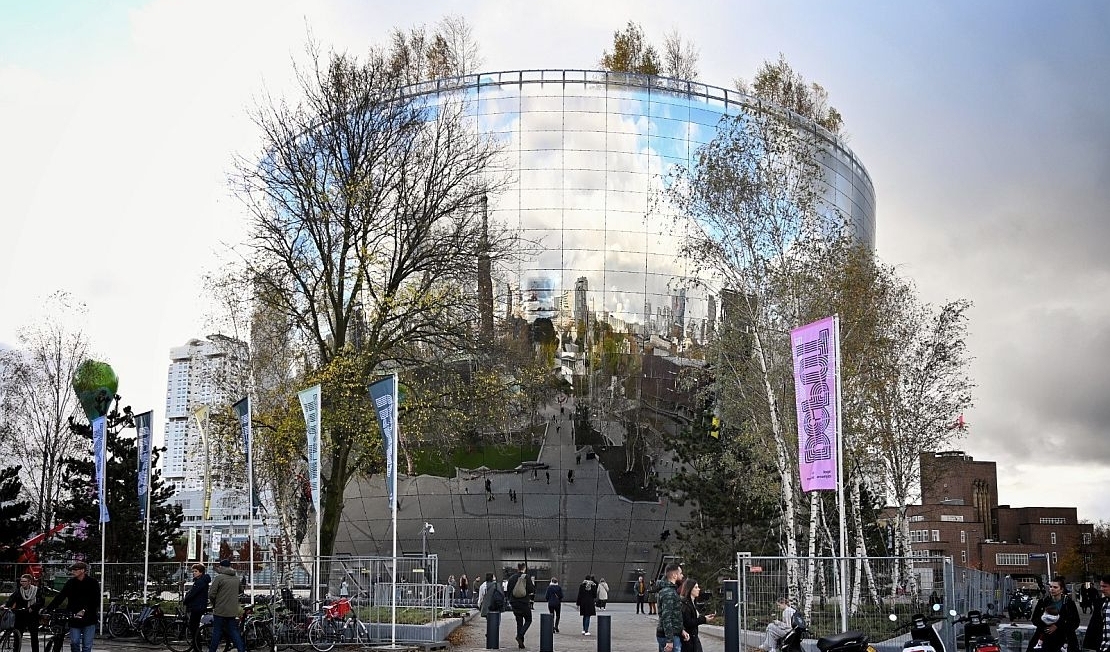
{"x": 490, "y": 596}
{"x": 521, "y": 590}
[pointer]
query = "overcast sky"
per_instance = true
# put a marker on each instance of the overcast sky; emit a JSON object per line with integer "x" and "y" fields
{"x": 985, "y": 127}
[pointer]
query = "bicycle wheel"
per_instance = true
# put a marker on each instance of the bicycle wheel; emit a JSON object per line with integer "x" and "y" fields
{"x": 257, "y": 636}
{"x": 7, "y": 640}
{"x": 177, "y": 635}
{"x": 117, "y": 625}
{"x": 153, "y": 630}
{"x": 323, "y": 635}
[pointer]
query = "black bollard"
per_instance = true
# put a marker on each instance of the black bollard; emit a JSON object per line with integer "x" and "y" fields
{"x": 493, "y": 629}
{"x": 604, "y": 633}
{"x": 547, "y": 627}
{"x": 732, "y": 615}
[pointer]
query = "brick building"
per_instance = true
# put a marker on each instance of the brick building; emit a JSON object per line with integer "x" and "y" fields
{"x": 959, "y": 517}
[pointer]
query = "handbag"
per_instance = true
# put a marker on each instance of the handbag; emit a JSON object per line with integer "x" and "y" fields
{"x": 7, "y": 620}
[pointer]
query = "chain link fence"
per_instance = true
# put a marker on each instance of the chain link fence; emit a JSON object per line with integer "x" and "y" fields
{"x": 877, "y": 587}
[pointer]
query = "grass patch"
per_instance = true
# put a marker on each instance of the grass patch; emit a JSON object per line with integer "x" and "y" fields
{"x": 497, "y": 457}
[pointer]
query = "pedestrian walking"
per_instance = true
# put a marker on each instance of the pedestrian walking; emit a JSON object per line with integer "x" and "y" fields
{"x": 196, "y": 600}
{"x": 602, "y": 594}
{"x": 81, "y": 593}
{"x": 224, "y": 596}
{"x": 26, "y": 603}
{"x": 547, "y": 474}
{"x": 521, "y": 590}
{"x": 641, "y": 594}
{"x": 489, "y": 490}
{"x": 669, "y": 633}
{"x": 554, "y": 597}
{"x": 1098, "y": 632}
{"x": 691, "y": 617}
{"x": 587, "y": 602}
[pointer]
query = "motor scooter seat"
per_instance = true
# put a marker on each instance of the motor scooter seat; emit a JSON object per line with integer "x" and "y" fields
{"x": 843, "y": 641}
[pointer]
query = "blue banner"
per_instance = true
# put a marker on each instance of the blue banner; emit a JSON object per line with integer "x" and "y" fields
{"x": 100, "y": 453}
{"x": 384, "y": 395}
{"x": 143, "y": 444}
{"x": 310, "y": 406}
{"x": 243, "y": 413}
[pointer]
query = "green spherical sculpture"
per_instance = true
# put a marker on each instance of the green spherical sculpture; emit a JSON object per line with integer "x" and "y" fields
{"x": 95, "y": 384}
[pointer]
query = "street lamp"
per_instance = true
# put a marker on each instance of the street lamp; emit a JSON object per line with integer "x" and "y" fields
{"x": 424, "y": 532}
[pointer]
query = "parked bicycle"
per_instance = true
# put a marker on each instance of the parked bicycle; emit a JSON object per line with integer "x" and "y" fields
{"x": 337, "y": 624}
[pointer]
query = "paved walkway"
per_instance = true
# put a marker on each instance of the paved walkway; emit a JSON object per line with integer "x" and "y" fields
{"x": 629, "y": 631}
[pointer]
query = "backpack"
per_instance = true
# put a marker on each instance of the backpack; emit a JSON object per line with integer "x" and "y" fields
{"x": 497, "y": 598}
{"x": 520, "y": 589}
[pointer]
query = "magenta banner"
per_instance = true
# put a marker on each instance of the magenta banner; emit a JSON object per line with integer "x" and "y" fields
{"x": 815, "y": 349}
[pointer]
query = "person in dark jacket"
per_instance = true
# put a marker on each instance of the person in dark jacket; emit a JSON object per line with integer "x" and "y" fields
{"x": 1097, "y": 636}
{"x": 521, "y": 600}
{"x": 81, "y": 594}
{"x": 1054, "y": 633}
{"x": 554, "y": 597}
{"x": 691, "y": 617}
{"x": 587, "y": 602}
{"x": 196, "y": 601}
{"x": 26, "y": 602}
{"x": 669, "y": 633}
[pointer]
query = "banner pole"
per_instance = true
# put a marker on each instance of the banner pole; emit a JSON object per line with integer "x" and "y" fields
{"x": 840, "y": 482}
{"x": 396, "y": 490}
{"x": 250, "y": 495}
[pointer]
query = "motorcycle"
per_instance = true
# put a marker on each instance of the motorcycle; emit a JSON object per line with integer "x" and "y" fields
{"x": 1019, "y": 606}
{"x": 923, "y": 636}
{"x": 978, "y": 636}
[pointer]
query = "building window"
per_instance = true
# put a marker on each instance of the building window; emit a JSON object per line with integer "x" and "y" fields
{"x": 1054, "y": 560}
{"x": 917, "y": 519}
{"x": 963, "y": 536}
{"x": 919, "y": 536}
{"x": 952, "y": 518}
{"x": 1052, "y": 536}
{"x": 1053, "y": 521}
{"x": 1011, "y": 559}
{"x": 963, "y": 557}
{"x": 1086, "y": 538}
{"x": 936, "y": 535}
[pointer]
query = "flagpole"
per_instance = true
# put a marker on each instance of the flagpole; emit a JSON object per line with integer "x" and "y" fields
{"x": 146, "y": 522}
{"x": 393, "y": 457}
{"x": 840, "y": 482}
{"x": 319, "y": 499}
{"x": 250, "y": 495}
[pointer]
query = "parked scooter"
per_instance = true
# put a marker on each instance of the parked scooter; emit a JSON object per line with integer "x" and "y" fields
{"x": 978, "y": 636}
{"x": 1019, "y": 606}
{"x": 792, "y": 641}
{"x": 923, "y": 636}
{"x": 843, "y": 642}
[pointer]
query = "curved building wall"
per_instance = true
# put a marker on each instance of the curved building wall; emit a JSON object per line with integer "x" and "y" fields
{"x": 585, "y": 152}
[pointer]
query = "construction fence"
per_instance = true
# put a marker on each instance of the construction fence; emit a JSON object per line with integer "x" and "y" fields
{"x": 877, "y": 587}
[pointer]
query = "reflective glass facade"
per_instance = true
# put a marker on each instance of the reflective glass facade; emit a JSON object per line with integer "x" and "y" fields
{"x": 586, "y": 152}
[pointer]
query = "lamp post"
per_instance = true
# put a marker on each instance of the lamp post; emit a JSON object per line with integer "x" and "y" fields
{"x": 424, "y": 532}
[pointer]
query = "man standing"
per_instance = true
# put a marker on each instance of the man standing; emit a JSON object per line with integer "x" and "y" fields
{"x": 1098, "y": 629}
{"x": 670, "y": 633}
{"x": 83, "y": 595}
{"x": 641, "y": 594}
{"x": 521, "y": 590}
{"x": 224, "y": 596}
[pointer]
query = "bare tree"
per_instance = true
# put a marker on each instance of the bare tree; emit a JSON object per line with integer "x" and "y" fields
{"x": 680, "y": 57}
{"x": 38, "y": 401}
{"x": 364, "y": 220}
{"x": 449, "y": 51}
